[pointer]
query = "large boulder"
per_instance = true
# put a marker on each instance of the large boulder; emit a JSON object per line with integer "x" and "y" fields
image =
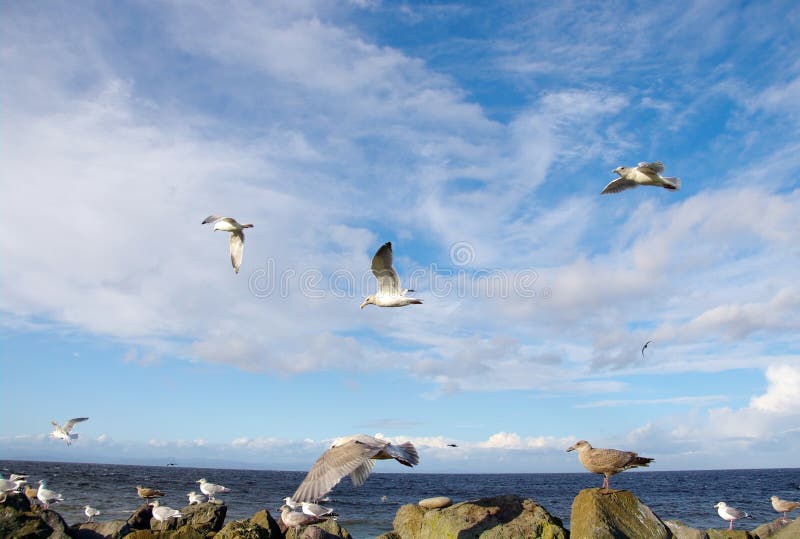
{"x": 499, "y": 517}
{"x": 329, "y": 526}
{"x": 57, "y": 523}
{"x": 204, "y": 517}
{"x": 775, "y": 528}
{"x": 140, "y": 519}
{"x": 614, "y": 513}
{"x": 111, "y": 529}
{"x": 242, "y": 529}
{"x": 682, "y": 531}
{"x": 265, "y": 520}
{"x": 728, "y": 534}
{"x": 18, "y": 520}
{"x": 791, "y": 530}
{"x": 185, "y": 532}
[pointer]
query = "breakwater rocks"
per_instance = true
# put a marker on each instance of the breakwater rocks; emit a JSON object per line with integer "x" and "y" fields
{"x": 595, "y": 514}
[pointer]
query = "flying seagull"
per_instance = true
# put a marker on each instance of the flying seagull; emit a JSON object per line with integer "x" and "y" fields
{"x": 783, "y": 506}
{"x": 162, "y": 513}
{"x": 229, "y": 224}
{"x": 354, "y": 456}
{"x": 730, "y": 514}
{"x": 607, "y": 462}
{"x": 641, "y": 174}
{"x": 210, "y": 489}
{"x": 645, "y": 346}
{"x": 90, "y": 512}
{"x": 389, "y": 293}
{"x": 64, "y": 433}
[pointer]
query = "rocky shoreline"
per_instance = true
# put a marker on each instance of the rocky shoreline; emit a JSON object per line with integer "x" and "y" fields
{"x": 596, "y": 513}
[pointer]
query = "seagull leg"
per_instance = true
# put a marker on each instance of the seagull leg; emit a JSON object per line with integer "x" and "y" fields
{"x": 730, "y": 526}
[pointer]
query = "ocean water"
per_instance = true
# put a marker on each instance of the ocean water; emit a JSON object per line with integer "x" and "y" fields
{"x": 687, "y": 496}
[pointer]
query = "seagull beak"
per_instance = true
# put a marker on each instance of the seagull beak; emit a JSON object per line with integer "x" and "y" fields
{"x": 572, "y": 448}
{"x": 364, "y": 304}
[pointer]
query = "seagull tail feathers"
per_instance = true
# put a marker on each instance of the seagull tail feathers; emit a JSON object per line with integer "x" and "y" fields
{"x": 416, "y": 301}
{"x": 673, "y": 184}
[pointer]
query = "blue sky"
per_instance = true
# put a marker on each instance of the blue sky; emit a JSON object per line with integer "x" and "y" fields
{"x": 476, "y": 138}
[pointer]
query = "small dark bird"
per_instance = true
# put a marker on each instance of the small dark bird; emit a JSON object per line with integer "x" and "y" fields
{"x": 452, "y": 445}
{"x": 645, "y": 346}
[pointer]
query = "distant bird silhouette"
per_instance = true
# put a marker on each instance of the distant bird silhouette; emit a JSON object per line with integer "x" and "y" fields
{"x": 645, "y": 346}
{"x": 452, "y": 445}
{"x": 64, "y": 433}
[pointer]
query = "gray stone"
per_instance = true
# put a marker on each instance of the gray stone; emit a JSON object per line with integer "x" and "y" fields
{"x": 728, "y": 534}
{"x": 140, "y": 519}
{"x": 499, "y": 517}
{"x": 435, "y": 503}
{"x": 614, "y": 513}
{"x": 329, "y": 526}
{"x": 682, "y": 531}
{"x": 265, "y": 520}
{"x": 111, "y": 529}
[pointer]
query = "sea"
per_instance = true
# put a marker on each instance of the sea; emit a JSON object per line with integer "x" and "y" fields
{"x": 368, "y": 511}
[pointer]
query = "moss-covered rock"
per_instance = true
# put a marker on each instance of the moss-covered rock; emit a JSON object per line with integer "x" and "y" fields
{"x": 728, "y": 534}
{"x": 682, "y": 531}
{"x": 265, "y": 520}
{"x": 499, "y": 517}
{"x": 790, "y": 531}
{"x": 111, "y": 529}
{"x": 329, "y": 526}
{"x": 771, "y": 529}
{"x": 605, "y": 513}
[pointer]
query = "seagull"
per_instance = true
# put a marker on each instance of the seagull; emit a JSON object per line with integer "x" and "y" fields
{"x": 195, "y": 498}
{"x": 90, "y": 512}
{"x": 147, "y": 492}
{"x": 730, "y": 514}
{"x": 316, "y": 510}
{"x": 210, "y": 489}
{"x": 389, "y": 293}
{"x": 64, "y": 433}
{"x": 229, "y": 224}
{"x": 641, "y": 174}
{"x": 783, "y": 506}
{"x": 47, "y": 496}
{"x": 295, "y": 519}
{"x": 607, "y": 461}
{"x": 452, "y": 445}
{"x": 645, "y": 346}
{"x": 6, "y": 486}
{"x": 15, "y": 479}
{"x": 162, "y": 513}
{"x": 291, "y": 503}
{"x": 354, "y": 456}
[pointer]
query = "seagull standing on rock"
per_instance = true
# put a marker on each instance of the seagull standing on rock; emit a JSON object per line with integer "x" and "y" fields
{"x": 607, "y": 462}
{"x": 783, "y": 506}
{"x": 316, "y": 510}
{"x": 730, "y": 514}
{"x": 295, "y": 519}
{"x": 210, "y": 489}
{"x": 90, "y": 512}
{"x": 147, "y": 492}
{"x": 64, "y": 433}
{"x": 47, "y": 496}
{"x": 354, "y": 456}
{"x": 389, "y": 293}
{"x": 641, "y": 174}
{"x": 229, "y": 224}
{"x": 162, "y": 513}
{"x": 195, "y": 498}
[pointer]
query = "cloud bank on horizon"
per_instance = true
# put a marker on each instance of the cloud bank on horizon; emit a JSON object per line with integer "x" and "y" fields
{"x": 477, "y": 141}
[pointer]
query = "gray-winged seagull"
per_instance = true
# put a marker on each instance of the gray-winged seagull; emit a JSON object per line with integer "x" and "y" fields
{"x": 316, "y": 510}
{"x": 47, "y": 496}
{"x": 389, "y": 293}
{"x": 65, "y": 432}
{"x": 641, "y": 174}
{"x": 162, "y": 513}
{"x": 354, "y": 456}
{"x": 607, "y": 462}
{"x": 229, "y": 224}
{"x": 195, "y": 498}
{"x": 210, "y": 489}
{"x": 730, "y": 514}
{"x": 90, "y": 512}
{"x": 295, "y": 519}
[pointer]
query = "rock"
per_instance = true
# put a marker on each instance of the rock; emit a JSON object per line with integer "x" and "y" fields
{"x": 329, "y": 526}
{"x": 791, "y": 530}
{"x": 204, "y": 517}
{"x": 112, "y": 529}
{"x": 771, "y": 529}
{"x": 499, "y": 517}
{"x": 435, "y": 503}
{"x": 682, "y": 531}
{"x": 265, "y": 520}
{"x": 242, "y": 529}
{"x": 184, "y": 532}
{"x": 614, "y": 513}
{"x": 17, "y": 501}
{"x": 728, "y": 534}
{"x": 140, "y": 519}
{"x": 388, "y": 535}
{"x": 57, "y": 524}
{"x": 18, "y": 520}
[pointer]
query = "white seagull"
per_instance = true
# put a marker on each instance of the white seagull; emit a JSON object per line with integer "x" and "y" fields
{"x": 316, "y": 510}
{"x": 195, "y": 498}
{"x": 47, "y": 496}
{"x": 6, "y": 486}
{"x": 295, "y": 519}
{"x": 730, "y": 514}
{"x": 229, "y": 224}
{"x": 90, "y": 512}
{"x": 641, "y": 174}
{"x": 291, "y": 503}
{"x": 210, "y": 489}
{"x": 162, "y": 513}
{"x": 65, "y": 432}
{"x": 354, "y": 456}
{"x": 389, "y": 293}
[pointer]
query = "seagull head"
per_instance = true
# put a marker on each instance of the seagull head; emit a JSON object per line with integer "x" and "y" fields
{"x": 583, "y": 444}
{"x": 721, "y": 504}
{"x": 203, "y": 480}
{"x": 618, "y": 170}
{"x": 368, "y": 300}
